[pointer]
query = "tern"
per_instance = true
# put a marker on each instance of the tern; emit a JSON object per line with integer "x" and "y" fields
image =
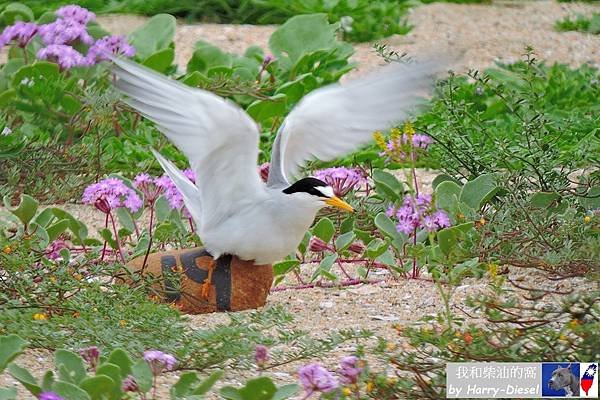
{"x": 235, "y": 212}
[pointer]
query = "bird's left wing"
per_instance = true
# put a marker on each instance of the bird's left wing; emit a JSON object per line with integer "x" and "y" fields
{"x": 219, "y": 138}
{"x": 335, "y": 120}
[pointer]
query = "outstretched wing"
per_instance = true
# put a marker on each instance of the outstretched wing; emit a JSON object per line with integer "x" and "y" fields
{"x": 219, "y": 138}
{"x": 339, "y": 118}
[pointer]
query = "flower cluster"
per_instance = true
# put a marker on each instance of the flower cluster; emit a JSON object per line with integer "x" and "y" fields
{"x": 402, "y": 145}
{"x": 418, "y": 212}
{"x": 315, "y": 378}
{"x": 91, "y": 355}
{"x": 261, "y": 355}
{"x": 148, "y": 186}
{"x": 59, "y": 37}
{"x": 49, "y": 396}
{"x": 54, "y": 248}
{"x": 173, "y": 195}
{"x": 341, "y": 179}
{"x": 350, "y": 370}
{"x": 111, "y": 193}
{"x": 20, "y": 32}
{"x": 159, "y": 361}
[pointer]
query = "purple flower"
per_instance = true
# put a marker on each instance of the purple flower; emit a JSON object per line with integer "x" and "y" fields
{"x": 418, "y": 212}
{"x": 159, "y": 361}
{"x": 147, "y": 185}
{"x": 54, "y": 248}
{"x": 261, "y": 355}
{"x": 49, "y": 396}
{"x": 65, "y": 31}
{"x": 315, "y": 378}
{"x": 350, "y": 370}
{"x": 130, "y": 384}
{"x": 76, "y": 13}
{"x": 269, "y": 58}
{"x": 173, "y": 195}
{"x": 65, "y": 56}
{"x": 91, "y": 355}
{"x": 341, "y": 179}
{"x": 421, "y": 141}
{"x": 21, "y": 32}
{"x": 111, "y": 193}
{"x": 109, "y": 45}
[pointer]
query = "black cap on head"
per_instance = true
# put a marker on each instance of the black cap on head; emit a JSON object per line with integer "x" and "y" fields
{"x": 307, "y": 185}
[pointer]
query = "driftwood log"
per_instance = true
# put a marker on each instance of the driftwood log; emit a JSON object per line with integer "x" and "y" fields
{"x": 235, "y": 285}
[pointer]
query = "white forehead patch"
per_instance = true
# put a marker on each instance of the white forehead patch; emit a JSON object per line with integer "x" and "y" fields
{"x": 326, "y": 190}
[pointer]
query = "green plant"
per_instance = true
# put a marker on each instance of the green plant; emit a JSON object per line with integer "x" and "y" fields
{"x": 580, "y": 23}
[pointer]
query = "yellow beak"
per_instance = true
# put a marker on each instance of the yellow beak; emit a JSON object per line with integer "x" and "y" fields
{"x": 339, "y": 203}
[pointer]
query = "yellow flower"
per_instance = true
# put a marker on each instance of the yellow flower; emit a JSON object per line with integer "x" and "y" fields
{"x": 493, "y": 269}
{"x": 390, "y": 346}
{"x": 395, "y": 134}
{"x": 391, "y": 381}
{"x": 52, "y": 279}
{"x": 563, "y": 337}
{"x": 77, "y": 277}
{"x": 482, "y": 221}
{"x": 587, "y": 219}
{"x": 379, "y": 140}
{"x": 7, "y": 250}
{"x": 409, "y": 129}
{"x": 370, "y": 387}
{"x": 40, "y": 317}
{"x": 346, "y": 391}
{"x": 573, "y": 323}
{"x": 122, "y": 323}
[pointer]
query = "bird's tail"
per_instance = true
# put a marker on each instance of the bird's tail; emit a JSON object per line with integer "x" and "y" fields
{"x": 189, "y": 191}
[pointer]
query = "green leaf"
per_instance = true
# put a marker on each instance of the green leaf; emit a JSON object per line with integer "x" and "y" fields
{"x": 121, "y": 359}
{"x": 442, "y": 178}
{"x": 343, "y": 241}
{"x": 162, "y": 209}
{"x": 143, "y": 375}
{"x": 107, "y": 235}
{"x": 447, "y": 194}
{"x": 126, "y": 219}
{"x": 97, "y": 387}
{"x": 230, "y": 393}
{"x": 7, "y": 97}
{"x": 114, "y": 373}
{"x": 376, "y": 248}
{"x": 283, "y": 267}
{"x": 447, "y": 238}
{"x": 387, "y": 185}
{"x": 347, "y": 224}
{"x": 324, "y": 229}
{"x": 47, "y": 381}
{"x": 301, "y": 35}
{"x": 183, "y": 387}
{"x": 386, "y": 226}
{"x": 207, "y": 56}
{"x": 161, "y": 60}
{"x": 14, "y": 12}
{"x": 156, "y": 34}
{"x": 285, "y": 392}
{"x": 73, "y": 363}
{"x": 591, "y": 201}
{"x": 544, "y": 199}
{"x": 69, "y": 391}
{"x": 24, "y": 378}
{"x": 263, "y": 110}
{"x": 26, "y": 209}
{"x": 39, "y": 70}
{"x": 56, "y": 229}
{"x": 208, "y": 383}
{"x": 261, "y": 388}
{"x": 10, "y": 347}
{"x": 325, "y": 268}
{"x": 479, "y": 191}
{"x": 8, "y": 393}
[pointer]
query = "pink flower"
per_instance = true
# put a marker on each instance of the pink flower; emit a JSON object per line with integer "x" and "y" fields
{"x": 315, "y": 378}
{"x": 111, "y": 193}
{"x": 418, "y": 212}
{"x": 65, "y": 56}
{"x": 54, "y": 248}
{"x": 49, "y": 396}
{"x": 159, "y": 361}
{"x": 20, "y": 32}
{"x": 261, "y": 355}
{"x": 148, "y": 186}
{"x": 129, "y": 384}
{"x": 91, "y": 355}
{"x": 264, "y": 171}
{"x": 109, "y": 45}
{"x": 341, "y": 179}
{"x": 316, "y": 245}
{"x": 173, "y": 195}
{"x": 350, "y": 370}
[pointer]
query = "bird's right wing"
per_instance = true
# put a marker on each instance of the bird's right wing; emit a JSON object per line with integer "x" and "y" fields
{"x": 219, "y": 138}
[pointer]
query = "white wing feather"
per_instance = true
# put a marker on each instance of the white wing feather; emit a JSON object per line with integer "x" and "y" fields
{"x": 219, "y": 139}
{"x": 337, "y": 119}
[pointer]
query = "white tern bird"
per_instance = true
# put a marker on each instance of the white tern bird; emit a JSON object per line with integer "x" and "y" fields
{"x": 234, "y": 211}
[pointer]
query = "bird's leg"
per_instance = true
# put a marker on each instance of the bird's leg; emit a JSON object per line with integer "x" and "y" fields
{"x": 205, "y": 289}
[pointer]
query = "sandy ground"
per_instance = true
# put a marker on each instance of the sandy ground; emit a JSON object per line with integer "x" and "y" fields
{"x": 478, "y": 35}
